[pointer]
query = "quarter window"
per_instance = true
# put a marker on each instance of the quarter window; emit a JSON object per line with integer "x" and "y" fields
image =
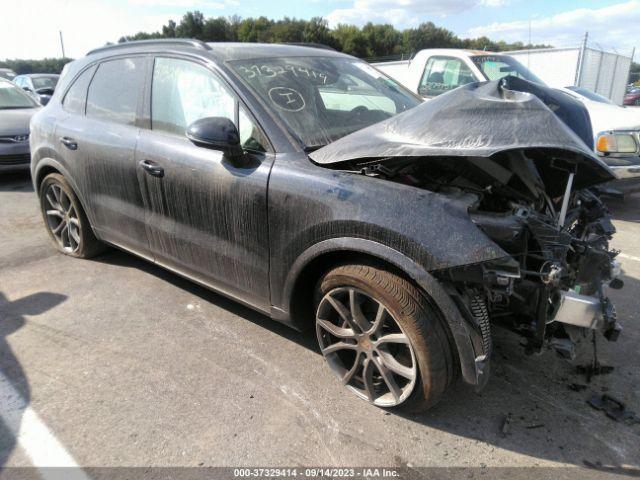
{"x": 76, "y": 97}
{"x": 442, "y": 74}
{"x": 115, "y": 89}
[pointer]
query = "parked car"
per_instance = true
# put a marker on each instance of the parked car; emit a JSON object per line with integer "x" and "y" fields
{"x": 399, "y": 230}
{"x": 617, "y": 137}
{"x": 7, "y": 73}
{"x": 435, "y": 71}
{"x": 40, "y": 85}
{"x": 16, "y": 110}
{"x": 632, "y": 98}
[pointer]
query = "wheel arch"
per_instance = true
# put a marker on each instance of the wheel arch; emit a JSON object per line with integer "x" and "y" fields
{"x": 327, "y": 254}
{"x": 46, "y": 166}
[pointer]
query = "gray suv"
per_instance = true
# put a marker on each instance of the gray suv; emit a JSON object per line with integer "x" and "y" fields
{"x": 308, "y": 185}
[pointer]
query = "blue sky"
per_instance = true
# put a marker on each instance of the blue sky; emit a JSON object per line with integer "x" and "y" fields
{"x": 90, "y": 23}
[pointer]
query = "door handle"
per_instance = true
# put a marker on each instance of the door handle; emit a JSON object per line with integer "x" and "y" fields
{"x": 152, "y": 168}
{"x": 70, "y": 143}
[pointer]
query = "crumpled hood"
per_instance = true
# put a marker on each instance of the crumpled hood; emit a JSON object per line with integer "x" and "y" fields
{"x": 478, "y": 120}
{"x": 16, "y": 121}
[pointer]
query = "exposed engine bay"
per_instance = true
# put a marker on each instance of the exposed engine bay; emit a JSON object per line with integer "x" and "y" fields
{"x": 520, "y": 156}
{"x": 551, "y": 291}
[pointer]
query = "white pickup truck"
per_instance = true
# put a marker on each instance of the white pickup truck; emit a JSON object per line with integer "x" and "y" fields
{"x": 435, "y": 71}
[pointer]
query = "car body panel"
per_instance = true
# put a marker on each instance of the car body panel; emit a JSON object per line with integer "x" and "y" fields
{"x": 457, "y": 124}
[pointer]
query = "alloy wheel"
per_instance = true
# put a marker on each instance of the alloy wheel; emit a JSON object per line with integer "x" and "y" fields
{"x": 365, "y": 347}
{"x": 62, "y": 218}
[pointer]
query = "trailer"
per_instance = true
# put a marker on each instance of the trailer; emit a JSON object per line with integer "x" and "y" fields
{"x": 601, "y": 71}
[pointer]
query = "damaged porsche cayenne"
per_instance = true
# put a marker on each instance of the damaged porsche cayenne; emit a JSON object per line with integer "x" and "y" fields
{"x": 311, "y": 187}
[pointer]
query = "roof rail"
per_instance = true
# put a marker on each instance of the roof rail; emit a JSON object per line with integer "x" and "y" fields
{"x": 185, "y": 42}
{"x": 311, "y": 45}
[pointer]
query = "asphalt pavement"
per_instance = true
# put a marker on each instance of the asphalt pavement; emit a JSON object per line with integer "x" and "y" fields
{"x": 116, "y": 362}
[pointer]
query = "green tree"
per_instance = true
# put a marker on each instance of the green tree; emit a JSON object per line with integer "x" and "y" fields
{"x": 381, "y": 40}
{"x": 217, "y": 30}
{"x": 169, "y": 30}
{"x": 427, "y": 35}
{"x": 191, "y": 26}
{"x": 350, "y": 40}
{"x": 317, "y": 30}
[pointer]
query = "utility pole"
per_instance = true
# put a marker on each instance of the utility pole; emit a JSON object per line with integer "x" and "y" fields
{"x": 529, "y": 46}
{"x": 583, "y": 49}
{"x": 61, "y": 44}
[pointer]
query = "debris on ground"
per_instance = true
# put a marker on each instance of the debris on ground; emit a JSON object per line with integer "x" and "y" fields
{"x": 613, "y": 408}
{"x": 532, "y": 427}
{"x": 595, "y": 367}
{"x": 504, "y": 429}
{"x": 577, "y": 387}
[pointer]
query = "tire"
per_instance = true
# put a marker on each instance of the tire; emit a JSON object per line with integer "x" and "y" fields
{"x": 65, "y": 220}
{"x": 426, "y": 351}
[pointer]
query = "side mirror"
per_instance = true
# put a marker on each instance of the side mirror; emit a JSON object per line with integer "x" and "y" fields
{"x": 26, "y": 89}
{"x": 217, "y": 133}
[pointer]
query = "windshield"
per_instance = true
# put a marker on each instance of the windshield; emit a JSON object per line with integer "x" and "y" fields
{"x": 44, "y": 82}
{"x": 495, "y": 67}
{"x": 322, "y": 99}
{"x": 591, "y": 95}
{"x": 12, "y": 96}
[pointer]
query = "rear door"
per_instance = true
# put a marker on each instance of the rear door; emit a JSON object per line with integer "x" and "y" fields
{"x": 206, "y": 218}
{"x": 102, "y": 139}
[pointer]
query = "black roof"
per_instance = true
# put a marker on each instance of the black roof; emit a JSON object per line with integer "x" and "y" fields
{"x": 222, "y": 51}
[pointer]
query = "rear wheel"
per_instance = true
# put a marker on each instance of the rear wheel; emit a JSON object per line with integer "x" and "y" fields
{"x": 382, "y": 338}
{"x": 65, "y": 220}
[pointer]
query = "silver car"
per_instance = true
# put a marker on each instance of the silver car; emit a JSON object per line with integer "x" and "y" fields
{"x": 16, "y": 110}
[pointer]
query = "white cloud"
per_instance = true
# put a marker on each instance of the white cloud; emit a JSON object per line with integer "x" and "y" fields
{"x": 183, "y": 3}
{"x": 402, "y": 12}
{"x": 613, "y": 26}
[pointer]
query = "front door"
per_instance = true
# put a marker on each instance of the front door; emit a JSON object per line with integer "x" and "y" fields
{"x": 205, "y": 217}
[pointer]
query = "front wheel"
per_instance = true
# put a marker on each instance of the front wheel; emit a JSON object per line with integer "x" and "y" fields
{"x": 65, "y": 220}
{"x": 382, "y": 338}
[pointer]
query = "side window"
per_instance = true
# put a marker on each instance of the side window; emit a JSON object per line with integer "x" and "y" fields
{"x": 115, "y": 90}
{"x": 75, "y": 99}
{"x": 183, "y": 92}
{"x": 442, "y": 74}
{"x": 251, "y": 137}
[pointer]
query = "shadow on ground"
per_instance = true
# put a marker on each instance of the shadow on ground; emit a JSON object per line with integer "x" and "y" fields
{"x": 16, "y": 181}
{"x": 14, "y": 386}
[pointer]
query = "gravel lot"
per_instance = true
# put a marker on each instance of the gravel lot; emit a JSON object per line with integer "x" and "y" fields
{"x": 129, "y": 365}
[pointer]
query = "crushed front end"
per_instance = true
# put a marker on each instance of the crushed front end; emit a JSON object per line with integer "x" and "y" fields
{"x": 519, "y": 155}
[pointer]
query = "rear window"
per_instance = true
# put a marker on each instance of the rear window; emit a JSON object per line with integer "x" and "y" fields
{"x": 115, "y": 90}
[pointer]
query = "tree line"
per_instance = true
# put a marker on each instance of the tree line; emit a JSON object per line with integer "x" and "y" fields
{"x": 370, "y": 41}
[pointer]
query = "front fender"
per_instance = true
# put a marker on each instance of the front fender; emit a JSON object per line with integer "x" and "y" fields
{"x": 475, "y": 370}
